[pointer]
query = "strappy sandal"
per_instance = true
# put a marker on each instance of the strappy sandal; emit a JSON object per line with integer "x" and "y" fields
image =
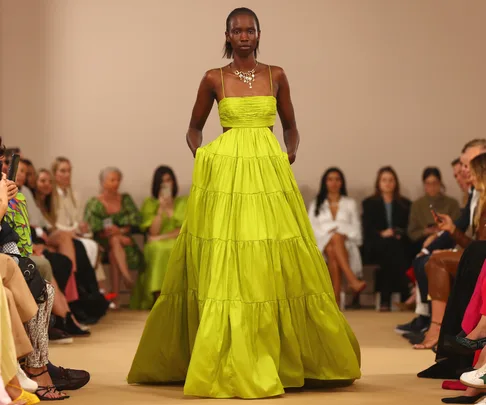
{"x": 47, "y": 389}
{"x": 428, "y": 346}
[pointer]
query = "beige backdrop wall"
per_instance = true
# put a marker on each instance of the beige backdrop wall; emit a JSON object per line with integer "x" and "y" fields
{"x": 374, "y": 82}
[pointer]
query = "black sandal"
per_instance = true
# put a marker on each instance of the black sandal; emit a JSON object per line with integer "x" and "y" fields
{"x": 47, "y": 389}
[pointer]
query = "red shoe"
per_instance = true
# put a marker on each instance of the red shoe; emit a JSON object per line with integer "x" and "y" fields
{"x": 453, "y": 385}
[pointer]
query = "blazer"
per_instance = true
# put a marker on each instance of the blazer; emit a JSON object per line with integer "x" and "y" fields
{"x": 375, "y": 220}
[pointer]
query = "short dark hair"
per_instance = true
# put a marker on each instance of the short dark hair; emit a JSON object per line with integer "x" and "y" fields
{"x": 431, "y": 171}
{"x": 228, "y": 49}
{"x": 456, "y": 161}
{"x": 27, "y": 162}
{"x": 157, "y": 180}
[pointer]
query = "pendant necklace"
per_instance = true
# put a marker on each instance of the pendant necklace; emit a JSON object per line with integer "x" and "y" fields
{"x": 247, "y": 77}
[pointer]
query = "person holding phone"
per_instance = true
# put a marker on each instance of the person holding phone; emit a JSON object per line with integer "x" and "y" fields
{"x": 421, "y": 223}
{"x": 113, "y": 217}
{"x": 443, "y": 264}
{"x": 162, "y": 217}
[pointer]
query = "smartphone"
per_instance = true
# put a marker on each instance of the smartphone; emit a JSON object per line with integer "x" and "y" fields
{"x": 107, "y": 223}
{"x": 165, "y": 191}
{"x": 434, "y": 213}
{"x": 14, "y": 165}
{"x": 1, "y": 169}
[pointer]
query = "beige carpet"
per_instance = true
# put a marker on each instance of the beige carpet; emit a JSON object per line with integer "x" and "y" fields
{"x": 389, "y": 367}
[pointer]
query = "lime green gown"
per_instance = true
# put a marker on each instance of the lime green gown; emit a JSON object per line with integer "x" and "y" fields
{"x": 247, "y": 307}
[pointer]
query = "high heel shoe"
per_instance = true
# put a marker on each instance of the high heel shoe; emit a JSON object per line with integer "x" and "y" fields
{"x": 470, "y": 344}
{"x": 30, "y": 399}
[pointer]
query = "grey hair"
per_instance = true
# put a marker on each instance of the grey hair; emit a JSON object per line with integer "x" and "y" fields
{"x": 107, "y": 171}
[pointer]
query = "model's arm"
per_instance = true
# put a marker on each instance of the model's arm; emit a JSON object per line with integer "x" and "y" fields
{"x": 200, "y": 112}
{"x": 286, "y": 113}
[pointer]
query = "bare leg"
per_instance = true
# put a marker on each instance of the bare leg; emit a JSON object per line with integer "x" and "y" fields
{"x": 42, "y": 377}
{"x": 334, "y": 271}
{"x": 341, "y": 255}
{"x": 63, "y": 242}
{"x": 120, "y": 257}
{"x": 432, "y": 335}
{"x": 115, "y": 277}
{"x": 60, "y": 306}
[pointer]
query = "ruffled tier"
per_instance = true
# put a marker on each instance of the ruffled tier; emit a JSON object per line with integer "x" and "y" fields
{"x": 247, "y": 306}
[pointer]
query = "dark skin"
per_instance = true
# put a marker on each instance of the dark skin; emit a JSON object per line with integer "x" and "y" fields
{"x": 244, "y": 37}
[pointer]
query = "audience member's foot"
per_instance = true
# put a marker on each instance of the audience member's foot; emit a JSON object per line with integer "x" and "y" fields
{"x": 25, "y": 382}
{"x": 385, "y": 308}
{"x": 57, "y": 336}
{"x": 418, "y": 325}
{"x": 68, "y": 379}
{"x": 46, "y": 390}
{"x": 475, "y": 378}
{"x": 431, "y": 337}
{"x": 464, "y": 399}
{"x": 414, "y": 338}
{"x": 454, "y": 385}
{"x": 68, "y": 326}
{"x": 442, "y": 370}
{"x": 359, "y": 286}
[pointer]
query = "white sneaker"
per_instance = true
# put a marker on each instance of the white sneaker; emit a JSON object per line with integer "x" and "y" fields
{"x": 475, "y": 378}
{"x": 25, "y": 382}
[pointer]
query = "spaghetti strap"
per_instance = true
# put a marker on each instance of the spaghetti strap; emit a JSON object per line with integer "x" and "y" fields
{"x": 222, "y": 81}
{"x": 271, "y": 80}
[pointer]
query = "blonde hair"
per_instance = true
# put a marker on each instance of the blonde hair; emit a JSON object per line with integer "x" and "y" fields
{"x": 478, "y": 167}
{"x": 55, "y": 193}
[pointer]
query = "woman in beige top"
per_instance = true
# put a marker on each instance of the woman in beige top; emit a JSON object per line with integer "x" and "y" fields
{"x": 421, "y": 223}
{"x": 69, "y": 213}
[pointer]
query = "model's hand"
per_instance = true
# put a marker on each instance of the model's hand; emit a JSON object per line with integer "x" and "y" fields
{"x": 292, "y": 156}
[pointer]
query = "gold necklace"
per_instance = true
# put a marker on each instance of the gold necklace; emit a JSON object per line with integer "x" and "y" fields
{"x": 247, "y": 77}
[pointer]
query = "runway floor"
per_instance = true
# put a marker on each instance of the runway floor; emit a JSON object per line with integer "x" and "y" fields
{"x": 389, "y": 367}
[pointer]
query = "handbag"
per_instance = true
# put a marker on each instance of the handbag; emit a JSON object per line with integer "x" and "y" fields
{"x": 37, "y": 285}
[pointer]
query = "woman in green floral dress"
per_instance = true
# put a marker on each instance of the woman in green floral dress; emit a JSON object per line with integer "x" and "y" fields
{"x": 113, "y": 217}
{"x": 162, "y": 217}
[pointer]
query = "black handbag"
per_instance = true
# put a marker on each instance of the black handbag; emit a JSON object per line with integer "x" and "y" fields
{"x": 36, "y": 283}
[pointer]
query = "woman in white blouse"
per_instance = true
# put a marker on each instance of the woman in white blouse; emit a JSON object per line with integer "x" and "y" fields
{"x": 69, "y": 214}
{"x": 337, "y": 228}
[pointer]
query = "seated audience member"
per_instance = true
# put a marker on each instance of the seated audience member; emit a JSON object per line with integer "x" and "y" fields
{"x": 162, "y": 217}
{"x": 15, "y": 343}
{"x": 443, "y": 265}
{"x": 112, "y": 217}
{"x": 385, "y": 221}
{"x": 52, "y": 266}
{"x": 440, "y": 241}
{"x": 90, "y": 305}
{"x": 337, "y": 227}
{"x": 68, "y": 213}
{"x": 421, "y": 223}
{"x": 31, "y": 175}
{"x": 461, "y": 181}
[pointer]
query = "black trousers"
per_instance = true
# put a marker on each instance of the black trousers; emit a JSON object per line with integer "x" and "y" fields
{"x": 61, "y": 267}
{"x": 392, "y": 256}
{"x": 462, "y": 289}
